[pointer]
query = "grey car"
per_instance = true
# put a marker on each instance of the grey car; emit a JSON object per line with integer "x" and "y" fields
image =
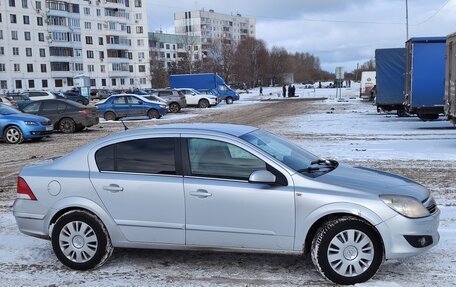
{"x": 175, "y": 99}
{"x": 222, "y": 187}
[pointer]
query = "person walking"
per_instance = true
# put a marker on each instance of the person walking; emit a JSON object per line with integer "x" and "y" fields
{"x": 289, "y": 90}
{"x": 284, "y": 91}
{"x": 261, "y": 91}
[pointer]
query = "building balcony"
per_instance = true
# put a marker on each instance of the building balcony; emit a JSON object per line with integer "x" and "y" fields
{"x": 120, "y": 46}
{"x": 64, "y": 74}
{"x": 118, "y": 74}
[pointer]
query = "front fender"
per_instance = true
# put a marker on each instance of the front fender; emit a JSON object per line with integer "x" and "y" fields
{"x": 72, "y": 203}
{"x": 303, "y": 225}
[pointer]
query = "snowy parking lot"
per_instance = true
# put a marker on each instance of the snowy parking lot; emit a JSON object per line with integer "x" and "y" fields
{"x": 351, "y": 131}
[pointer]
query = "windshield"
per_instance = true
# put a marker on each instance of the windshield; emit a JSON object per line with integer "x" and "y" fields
{"x": 281, "y": 149}
{"x": 5, "y": 110}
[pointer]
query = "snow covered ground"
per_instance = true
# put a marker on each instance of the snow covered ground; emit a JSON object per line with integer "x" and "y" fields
{"x": 350, "y": 131}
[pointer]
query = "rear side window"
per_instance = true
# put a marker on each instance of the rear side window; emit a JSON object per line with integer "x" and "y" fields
{"x": 165, "y": 93}
{"x": 151, "y": 156}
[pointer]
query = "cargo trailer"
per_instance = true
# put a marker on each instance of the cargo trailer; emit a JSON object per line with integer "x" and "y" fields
{"x": 450, "y": 78}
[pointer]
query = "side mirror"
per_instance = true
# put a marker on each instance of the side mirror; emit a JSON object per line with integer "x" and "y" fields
{"x": 140, "y": 102}
{"x": 262, "y": 176}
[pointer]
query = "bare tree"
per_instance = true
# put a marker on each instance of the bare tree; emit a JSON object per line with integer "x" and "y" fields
{"x": 251, "y": 62}
{"x": 279, "y": 64}
{"x": 190, "y": 61}
{"x": 158, "y": 72}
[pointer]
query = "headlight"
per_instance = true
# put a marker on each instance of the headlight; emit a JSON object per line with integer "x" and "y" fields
{"x": 29, "y": 123}
{"x": 405, "y": 205}
{"x": 163, "y": 106}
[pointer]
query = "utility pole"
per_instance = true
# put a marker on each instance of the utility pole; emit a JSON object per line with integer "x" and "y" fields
{"x": 406, "y": 20}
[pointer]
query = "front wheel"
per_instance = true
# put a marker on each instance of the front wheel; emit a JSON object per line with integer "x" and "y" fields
{"x": 203, "y": 103}
{"x": 81, "y": 241}
{"x": 347, "y": 251}
{"x": 153, "y": 114}
{"x": 229, "y": 100}
{"x": 13, "y": 135}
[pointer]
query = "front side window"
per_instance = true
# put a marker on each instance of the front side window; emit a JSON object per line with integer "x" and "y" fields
{"x": 120, "y": 101}
{"x": 150, "y": 156}
{"x": 211, "y": 158}
{"x": 33, "y": 108}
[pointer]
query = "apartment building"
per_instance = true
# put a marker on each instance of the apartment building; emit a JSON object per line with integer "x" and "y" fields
{"x": 45, "y": 43}
{"x": 210, "y": 26}
{"x": 171, "y": 48}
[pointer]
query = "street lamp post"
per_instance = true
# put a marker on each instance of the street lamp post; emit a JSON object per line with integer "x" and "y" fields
{"x": 406, "y": 20}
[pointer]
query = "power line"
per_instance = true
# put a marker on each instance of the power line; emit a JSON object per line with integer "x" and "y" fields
{"x": 433, "y": 15}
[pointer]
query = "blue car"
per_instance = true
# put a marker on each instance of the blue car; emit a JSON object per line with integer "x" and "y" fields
{"x": 15, "y": 127}
{"x": 129, "y": 105}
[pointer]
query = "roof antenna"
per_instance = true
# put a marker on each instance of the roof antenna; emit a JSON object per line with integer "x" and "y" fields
{"x": 125, "y": 126}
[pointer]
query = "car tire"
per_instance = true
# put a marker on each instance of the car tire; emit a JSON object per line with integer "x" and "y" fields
{"x": 428, "y": 117}
{"x": 13, "y": 135}
{"x": 80, "y": 128}
{"x": 347, "y": 250}
{"x": 229, "y": 100}
{"x": 203, "y": 103}
{"x": 174, "y": 107}
{"x": 81, "y": 241}
{"x": 153, "y": 114}
{"x": 67, "y": 126}
{"x": 110, "y": 116}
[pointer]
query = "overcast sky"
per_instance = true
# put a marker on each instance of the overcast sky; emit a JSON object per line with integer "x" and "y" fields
{"x": 339, "y": 32}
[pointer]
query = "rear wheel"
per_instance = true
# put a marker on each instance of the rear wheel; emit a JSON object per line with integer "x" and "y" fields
{"x": 81, "y": 241}
{"x": 428, "y": 117}
{"x": 153, "y": 114}
{"x": 13, "y": 135}
{"x": 174, "y": 107}
{"x": 347, "y": 250}
{"x": 229, "y": 100}
{"x": 203, "y": 103}
{"x": 67, "y": 125}
{"x": 110, "y": 116}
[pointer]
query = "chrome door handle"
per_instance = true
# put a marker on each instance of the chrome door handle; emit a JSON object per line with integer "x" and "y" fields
{"x": 201, "y": 193}
{"x": 113, "y": 188}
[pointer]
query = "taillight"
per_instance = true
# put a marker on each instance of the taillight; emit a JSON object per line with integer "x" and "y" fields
{"x": 182, "y": 97}
{"x": 85, "y": 112}
{"x": 23, "y": 190}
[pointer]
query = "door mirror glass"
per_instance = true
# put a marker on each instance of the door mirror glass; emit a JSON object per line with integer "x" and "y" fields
{"x": 262, "y": 176}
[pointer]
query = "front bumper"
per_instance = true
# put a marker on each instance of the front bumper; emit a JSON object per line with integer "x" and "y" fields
{"x": 395, "y": 230}
{"x": 32, "y": 132}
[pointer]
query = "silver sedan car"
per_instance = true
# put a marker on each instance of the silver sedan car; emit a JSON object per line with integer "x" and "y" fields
{"x": 227, "y": 187}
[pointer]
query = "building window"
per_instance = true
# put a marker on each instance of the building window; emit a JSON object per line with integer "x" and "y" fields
{"x": 42, "y": 52}
{"x": 39, "y": 21}
{"x": 132, "y": 82}
{"x": 91, "y": 68}
{"x": 44, "y": 83}
{"x": 3, "y": 84}
{"x": 70, "y": 82}
{"x": 1, "y": 34}
{"x": 167, "y": 46}
{"x": 78, "y": 67}
{"x": 130, "y": 68}
{"x": 15, "y": 51}
{"x": 99, "y": 26}
{"x": 38, "y": 5}
{"x": 2, "y": 68}
{"x": 27, "y": 36}
{"x": 103, "y": 82}
{"x": 138, "y": 3}
{"x": 30, "y": 68}
{"x": 139, "y": 29}
{"x": 90, "y": 54}
{"x": 28, "y": 52}
{"x": 142, "y": 68}
{"x": 14, "y": 35}
{"x": 101, "y": 54}
{"x": 43, "y": 68}
{"x": 13, "y": 18}
{"x": 58, "y": 83}
{"x": 140, "y": 42}
{"x": 18, "y": 84}
{"x": 31, "y": 84}
{"x": 26, "y": 20}
{"x": 88, "y": 25}
{"x": 17, "y": 67}
{"x": 0, "y": 17}
{"x": 24, "y": 3}
{"x": 102, "y": 68}
{"x": 12, "y": 3}
{"x": 98, "y": 12}
{"x": 86, "y": 11}
{"x": 93, "y": 83}
{"x": 100, "y": 40}
{"x": 41, "y": 37}
{"x": 2, "y": 50}
{"x": 89, "y": 40}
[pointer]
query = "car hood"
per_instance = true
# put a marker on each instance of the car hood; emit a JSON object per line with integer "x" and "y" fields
{"x": 373, "y": 181}
{"x": 27, "y": 117}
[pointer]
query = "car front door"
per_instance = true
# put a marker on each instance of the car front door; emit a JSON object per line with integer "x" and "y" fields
{"x": 141, "y": 186}
{"x": 223, "y": 209}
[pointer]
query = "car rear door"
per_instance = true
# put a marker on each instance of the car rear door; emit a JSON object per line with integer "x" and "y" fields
{"x": 120, "y": 106}
{"x": 50, "y": 109}
{"x": 223, "y": 209}
{"x": 140, "y": 182}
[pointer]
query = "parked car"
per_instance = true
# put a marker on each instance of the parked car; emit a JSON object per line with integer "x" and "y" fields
{"x": 15, "y": 100}
{"x": 195, "y": 98}
{"x": 101, "y": 94}
{"x": 223, "y": 187}
{"x": 175, "y": 99}
{"x": 129, "y": 105}
{"x": 66, "y": 116}
{"x": 15, "y": 127}
{"x": 72, "y": 96}
{"x": 39, "y": 95}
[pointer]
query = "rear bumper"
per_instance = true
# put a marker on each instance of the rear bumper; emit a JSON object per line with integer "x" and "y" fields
{"x": 88, "y": 122}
